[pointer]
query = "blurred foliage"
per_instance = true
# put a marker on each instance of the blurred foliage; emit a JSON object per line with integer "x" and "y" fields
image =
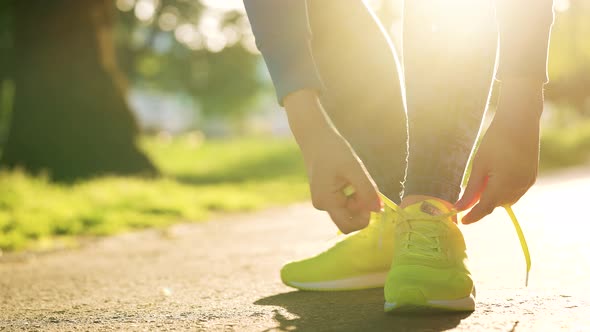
{"x": 185, "y": 47}
{"x": 178, "y": 46}
{"x": 200, "y": 179}
{"x": 563, "y": 148}
{"x": 228, "y": 81}
{"x": 203, "y": 50}
{"x": 569, "y": 56}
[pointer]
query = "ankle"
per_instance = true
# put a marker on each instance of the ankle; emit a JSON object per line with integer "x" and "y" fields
{"x": 413, "y": 199}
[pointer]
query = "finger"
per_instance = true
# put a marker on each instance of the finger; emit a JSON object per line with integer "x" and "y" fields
{"x": 353, "y": 204}
{"x": 488, "y": 202}
{"x": 480, "y": 210}
{"x": 323, "y": 199}
{"x": 343, "y": 219}
{"x": 366, "y": 192}
{"x": 475, "y": 186}
{"x": 515, "y": 195}
{"x": 360, "y": 219}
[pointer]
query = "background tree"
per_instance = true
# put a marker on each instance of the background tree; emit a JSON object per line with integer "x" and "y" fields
{"x": 69, "y": 115}
{"x": 68, "y": 62}
{"x": 69, "y": 112}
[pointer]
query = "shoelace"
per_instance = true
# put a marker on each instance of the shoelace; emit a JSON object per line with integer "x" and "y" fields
{"x": 429, "y": 250}
{"x": 420, "y": 239}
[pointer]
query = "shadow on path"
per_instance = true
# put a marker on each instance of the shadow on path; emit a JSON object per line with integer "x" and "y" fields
{"x": 350, "y": 311}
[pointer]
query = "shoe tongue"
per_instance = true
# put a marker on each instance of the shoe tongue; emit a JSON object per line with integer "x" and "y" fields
{"x": 430, "y": 207}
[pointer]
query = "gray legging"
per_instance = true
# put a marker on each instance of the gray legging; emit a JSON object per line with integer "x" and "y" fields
{"x": 448, "y": 65}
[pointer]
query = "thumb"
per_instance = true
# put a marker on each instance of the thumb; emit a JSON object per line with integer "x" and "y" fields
{"x": 475, "y": 186}
{"x": 366, "y": 192}
{"x": 488, "y": 202}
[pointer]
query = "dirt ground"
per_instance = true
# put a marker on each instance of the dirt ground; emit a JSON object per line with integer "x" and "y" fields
{"x": 222, "y": 275}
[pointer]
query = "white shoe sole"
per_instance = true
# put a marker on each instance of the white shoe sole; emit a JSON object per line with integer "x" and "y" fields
{"x": 373, "y": 280}
{"x": 414, "y": 300}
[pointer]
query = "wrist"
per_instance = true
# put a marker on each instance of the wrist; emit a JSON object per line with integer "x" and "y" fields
{"x": 515, "y": 130}
{"x": 520, "y": 101}
{"x": 307, "y": 119}
{"x": 523, "y": 81}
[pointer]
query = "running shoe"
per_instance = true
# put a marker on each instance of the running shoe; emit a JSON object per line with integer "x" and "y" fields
{"x": 360, "y": 260}
{"x": 428, "y": 269}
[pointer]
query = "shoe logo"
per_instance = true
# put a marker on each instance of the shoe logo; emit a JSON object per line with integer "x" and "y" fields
{"x": 432, "y": 210}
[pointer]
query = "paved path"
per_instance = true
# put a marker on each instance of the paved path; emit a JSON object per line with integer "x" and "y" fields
{"x": 223, "y": 275}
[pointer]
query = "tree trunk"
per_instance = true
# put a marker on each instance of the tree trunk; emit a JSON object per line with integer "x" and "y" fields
{"x": 70, "y": 116}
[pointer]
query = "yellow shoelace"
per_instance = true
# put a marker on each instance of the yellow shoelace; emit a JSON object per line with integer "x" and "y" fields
{"x": 349, "y": 191}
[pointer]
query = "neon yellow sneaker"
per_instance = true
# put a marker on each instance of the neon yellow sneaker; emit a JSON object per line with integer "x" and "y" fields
{"x": 428, "y": 269}
{"x": 422, "y": 248}
{"x": 359, "y": 261}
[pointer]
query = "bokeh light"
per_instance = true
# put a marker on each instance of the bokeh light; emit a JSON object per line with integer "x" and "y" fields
{"x": 561, "y": 5}
{"x": 226, "y": 5}
{"x": 125, "y": 5}
{"x": 145, "y": 9}
{"x": 168, "y": 20}
{"x": 184, "y": 33}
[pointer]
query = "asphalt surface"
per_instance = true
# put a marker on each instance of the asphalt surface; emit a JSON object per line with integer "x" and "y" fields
{"x": 222, "y": 275}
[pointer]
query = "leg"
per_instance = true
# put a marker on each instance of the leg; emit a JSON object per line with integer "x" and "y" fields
{"x": 449, "y": 58}
{"x": 363, "y": 97}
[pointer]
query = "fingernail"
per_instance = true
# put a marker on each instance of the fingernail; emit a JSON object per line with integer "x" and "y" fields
{"x": 381, "y": 206}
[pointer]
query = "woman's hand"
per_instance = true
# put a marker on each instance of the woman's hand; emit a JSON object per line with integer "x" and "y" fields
{"x": 331, "y": 165}
{"x": 505, "y": 165}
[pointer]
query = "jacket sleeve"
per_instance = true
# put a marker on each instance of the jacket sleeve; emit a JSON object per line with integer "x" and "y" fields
{"x": 283, "y": 36}
{"x": 524, "y": 31}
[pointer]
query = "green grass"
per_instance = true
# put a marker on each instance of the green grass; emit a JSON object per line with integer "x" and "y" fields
{"x": 200, "y": 179}
{"x": 565, "y": 146}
